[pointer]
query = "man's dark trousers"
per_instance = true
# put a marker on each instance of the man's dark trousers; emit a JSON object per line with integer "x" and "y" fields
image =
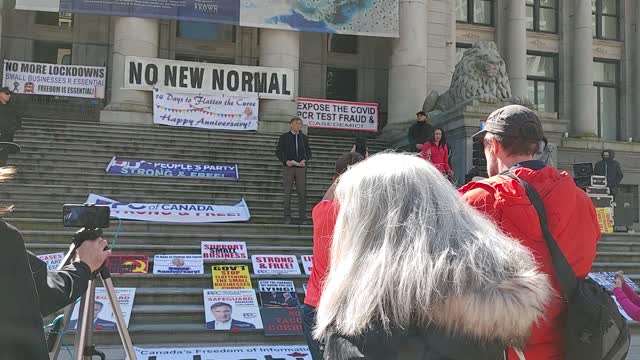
{"x": 308, "y": 323}
{"x": 299, "y": 176}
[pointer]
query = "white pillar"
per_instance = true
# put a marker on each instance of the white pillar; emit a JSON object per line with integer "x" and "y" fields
{"x": 584, "y": 119}
{"x": 131, "y": 37}
{"x": 516, "y": 46}
{"x": 408, "y": 68}
{"x": 279, "y": 48}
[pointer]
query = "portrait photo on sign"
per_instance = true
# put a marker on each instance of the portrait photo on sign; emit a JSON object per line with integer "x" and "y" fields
{"x": 103, "y": 317}
{"x": 231, "y": 310}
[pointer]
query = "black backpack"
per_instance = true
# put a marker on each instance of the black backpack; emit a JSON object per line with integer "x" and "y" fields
{"x": 595, "y": 329}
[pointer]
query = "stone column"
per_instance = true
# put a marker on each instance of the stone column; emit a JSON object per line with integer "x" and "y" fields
{"x": 584, "y": 120}
{"x": 279, "y": 48}
{"x": 131, "y": 37}
{"x": 635, "y": 125}
{"x": 515, "y": 32}
{"x": 408, "y": 68}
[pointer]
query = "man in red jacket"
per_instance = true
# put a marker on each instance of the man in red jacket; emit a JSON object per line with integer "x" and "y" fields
{"x": 511, "y": 136}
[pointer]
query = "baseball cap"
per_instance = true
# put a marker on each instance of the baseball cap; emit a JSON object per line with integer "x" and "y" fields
{"x": 509, "y": 121}
{"x": 9, "y": 147}
{"x": 6, "y": 90}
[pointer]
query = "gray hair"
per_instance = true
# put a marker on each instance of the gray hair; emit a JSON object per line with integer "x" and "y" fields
{"x": 407, "y": 251}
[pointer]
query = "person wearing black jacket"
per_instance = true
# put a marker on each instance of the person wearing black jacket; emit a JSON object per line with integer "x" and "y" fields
{"x": 420, "y": 132}
{"x": 294, "y": 151}
{"x": 611, "y": 169}
{"x": 9, "y": 121}
{"x": 31, "y": 292}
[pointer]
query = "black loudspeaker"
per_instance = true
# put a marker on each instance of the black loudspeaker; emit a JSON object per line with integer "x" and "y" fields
{"x": 583, "y": 170}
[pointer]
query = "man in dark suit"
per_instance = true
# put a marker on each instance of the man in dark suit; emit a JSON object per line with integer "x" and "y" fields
{"x": 222, "y": 319}
{"x": 294, "y": 152}
{"x": 98, "y": 324}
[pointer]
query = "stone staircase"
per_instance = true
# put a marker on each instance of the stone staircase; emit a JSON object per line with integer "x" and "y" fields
{"x": 63, "y": 161}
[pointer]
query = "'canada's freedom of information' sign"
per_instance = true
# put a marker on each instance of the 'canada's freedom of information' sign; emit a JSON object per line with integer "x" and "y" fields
{"x": 202, "y": 78}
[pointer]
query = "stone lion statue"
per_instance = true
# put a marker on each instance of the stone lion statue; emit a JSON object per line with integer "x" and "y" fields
{"x": 480, "y": 75}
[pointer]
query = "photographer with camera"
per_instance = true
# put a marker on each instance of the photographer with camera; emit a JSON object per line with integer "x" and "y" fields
{"x": 31, "y": 292}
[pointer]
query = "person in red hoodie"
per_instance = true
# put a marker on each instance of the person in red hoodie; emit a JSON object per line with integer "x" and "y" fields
{"x": 511, "y": 137}
{"x": 436, "y": 151}
{"x": 324, "y": 216}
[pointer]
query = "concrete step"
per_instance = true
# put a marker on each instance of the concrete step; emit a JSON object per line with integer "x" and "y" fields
{"x": 125, "y": 237}
{"x": 630, "y": 268}
{"x": 30, "y": 195}
{"x": 105, "y": 153}
{"x": 52, "y": 168}
{"x": 154, "y": 249}
{"x": 249, "y": 184}
{"x": 162, "y": 195}
{"x": 181, "y": 228}
{"x": 83, "y": 128}
{"x": 179, "y": 295}
{"x": 32, "y": 140}
{"x": 619, "y": 237}
{"x": 618, "y": 256}
{"x": 203, "y": 281}
{"x": 258, "y": 215}
{"x": 189, "y": 334}
{"x": 619, "y": 246}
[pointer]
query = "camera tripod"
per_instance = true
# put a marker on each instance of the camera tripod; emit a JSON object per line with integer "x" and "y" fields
{"x": 85, "y": 350}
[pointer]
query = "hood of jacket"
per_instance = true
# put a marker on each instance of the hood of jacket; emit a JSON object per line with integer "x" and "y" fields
{"x": 502, "y": 310}
{"x": 612, "y": 154}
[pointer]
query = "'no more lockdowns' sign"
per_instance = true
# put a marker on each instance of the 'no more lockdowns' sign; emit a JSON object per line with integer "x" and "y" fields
{"x": 202, "y": 78}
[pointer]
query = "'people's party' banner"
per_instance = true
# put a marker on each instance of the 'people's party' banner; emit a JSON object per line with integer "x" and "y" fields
{"x": 171, "y": 169}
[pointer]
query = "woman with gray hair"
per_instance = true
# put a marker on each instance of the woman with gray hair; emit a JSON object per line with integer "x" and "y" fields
{"x": 418, "y": 274}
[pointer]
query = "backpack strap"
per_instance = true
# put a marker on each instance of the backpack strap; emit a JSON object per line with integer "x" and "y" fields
{"x": 564, "y": 272}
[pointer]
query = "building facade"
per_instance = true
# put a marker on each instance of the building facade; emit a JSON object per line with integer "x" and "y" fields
{"x": 576, "y": 59}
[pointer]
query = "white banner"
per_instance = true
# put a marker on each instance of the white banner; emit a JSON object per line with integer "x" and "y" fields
{"x": 38, "y": 5}
{"x": 223, "y": 250}
{"x": 103, "y": 315}
{"x": 339, "y": 115}
{"x": 307, "y": 263}
{"x": 181, "y": 213}
{"x": 178, "y": 264}
{"x": 52, "y": 260}
{"x": 258, "y": 352}
{"x": 232, "y": 310}
{"x": 51, "y": 79}
{"x": 275, "y": 264}
{"x": 204, "y": 78}
{"x": 205, "y": 111}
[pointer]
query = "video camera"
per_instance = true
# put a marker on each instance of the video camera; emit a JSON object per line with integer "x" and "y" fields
{"x": 88, "y": 216}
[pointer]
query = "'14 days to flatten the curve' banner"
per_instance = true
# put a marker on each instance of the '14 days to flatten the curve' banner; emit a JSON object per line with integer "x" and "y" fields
{"x": 31, "y": 78}
{"x": 205, "y": 111}
{"x": 363, "y": 17}
{"x": 180, "y": 213}
{"x": 145, "y": 74}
